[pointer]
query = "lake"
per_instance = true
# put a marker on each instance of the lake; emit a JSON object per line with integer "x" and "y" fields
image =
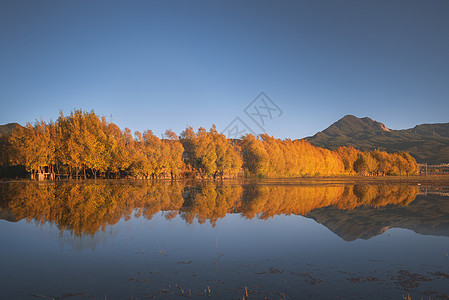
{"x": 249, "y": 239}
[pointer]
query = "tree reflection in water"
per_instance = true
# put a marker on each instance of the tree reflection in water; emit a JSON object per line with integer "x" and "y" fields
{"x": 85, "y": 208}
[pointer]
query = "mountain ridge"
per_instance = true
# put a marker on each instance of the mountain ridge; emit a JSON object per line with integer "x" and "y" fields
{"x": 351, "y": 124}
{"x": 8, "y": 128}
{"x": 428, "y": 143}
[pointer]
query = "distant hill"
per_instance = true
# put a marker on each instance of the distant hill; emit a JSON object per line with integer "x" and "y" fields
{"x": 428, "y": 143}
{"x": 8, "y": 128}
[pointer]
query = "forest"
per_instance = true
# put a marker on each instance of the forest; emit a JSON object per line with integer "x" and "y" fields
{"x": 83, "y": 145}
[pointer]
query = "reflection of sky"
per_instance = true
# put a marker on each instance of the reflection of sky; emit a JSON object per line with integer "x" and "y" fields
{"x": 237, "y": 237}
{"x": 233, "y": 233}
{"x": 170, "y": 246}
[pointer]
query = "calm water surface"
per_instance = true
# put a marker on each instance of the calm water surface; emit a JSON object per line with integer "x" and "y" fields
{"x": 231, "y": 240}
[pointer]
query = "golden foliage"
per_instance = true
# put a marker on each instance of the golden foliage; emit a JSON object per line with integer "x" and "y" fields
{"x": 211, "y": 154}
{"x": 86, "y": 145}
{"x": 85, "y": 142}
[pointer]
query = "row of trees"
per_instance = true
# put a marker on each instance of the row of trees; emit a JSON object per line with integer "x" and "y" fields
{"x": 269, "y": 157}
{"x": 87, "y": 146}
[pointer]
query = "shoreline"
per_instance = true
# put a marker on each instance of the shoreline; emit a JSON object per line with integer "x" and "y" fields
{"x": 414, "y": 179}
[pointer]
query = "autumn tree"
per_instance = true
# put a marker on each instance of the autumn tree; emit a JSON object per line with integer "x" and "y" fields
{"x": 255, "y": 156}
{"x": 348, "y": 156}
{"x": 211, "y": 154}
{"x": 365, "y": 164}
{"x": 173, "y": 150}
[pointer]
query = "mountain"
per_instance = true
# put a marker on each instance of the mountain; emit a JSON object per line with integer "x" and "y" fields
{"x": 350, "y": 124}
{"x": 427, "y": 143}
{"x": 8, "y": 128}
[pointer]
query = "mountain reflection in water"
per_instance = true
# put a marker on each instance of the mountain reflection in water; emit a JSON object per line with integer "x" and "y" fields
{"x": 350, "y": 211}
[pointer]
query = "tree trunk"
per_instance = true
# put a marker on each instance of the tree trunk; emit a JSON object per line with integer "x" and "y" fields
{"x": 40, "y": 174}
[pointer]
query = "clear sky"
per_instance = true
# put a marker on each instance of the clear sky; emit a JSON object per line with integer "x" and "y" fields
{"x": 167, "y": 64}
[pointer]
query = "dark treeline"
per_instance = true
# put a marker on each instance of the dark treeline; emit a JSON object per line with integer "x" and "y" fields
{"x": 84, "y": 145}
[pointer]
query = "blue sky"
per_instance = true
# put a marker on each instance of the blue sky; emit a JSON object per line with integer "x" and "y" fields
{"x": 167, "y": 64}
